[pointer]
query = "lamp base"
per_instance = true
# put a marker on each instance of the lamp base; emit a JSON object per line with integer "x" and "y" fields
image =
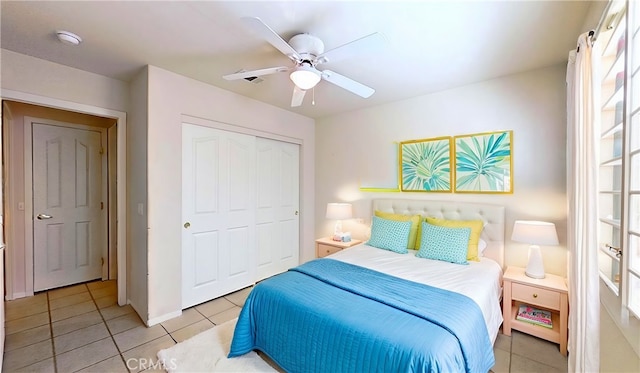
{"x": 337, "y": 231}
{"x": 534, "y": 275}
{"x": 535, "y": 266}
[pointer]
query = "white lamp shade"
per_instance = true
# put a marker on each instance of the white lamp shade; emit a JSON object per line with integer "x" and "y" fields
{"x": 305, "y": 77}
{"x": 339, "y": 211}
{"x": 535, "y": 233}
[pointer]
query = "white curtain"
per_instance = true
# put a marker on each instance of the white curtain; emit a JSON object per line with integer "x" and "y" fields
{"x": 583, "y": 133}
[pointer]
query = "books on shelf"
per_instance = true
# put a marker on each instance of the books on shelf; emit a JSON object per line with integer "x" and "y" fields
{"x": 534, "y": 316}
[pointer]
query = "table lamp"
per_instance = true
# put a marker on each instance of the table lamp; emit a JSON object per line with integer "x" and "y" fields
{"x": 338, "y": 212}
{"x": 535, "y": 233}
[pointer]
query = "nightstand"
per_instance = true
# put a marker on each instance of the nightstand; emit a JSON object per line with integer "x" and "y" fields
{"x": 326, "y": 246}
{"x": 549, "y": 293}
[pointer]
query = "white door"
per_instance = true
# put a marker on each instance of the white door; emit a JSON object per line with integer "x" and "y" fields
{"x": 277, "y": 213}
{"x": 69, "y": 219}
{"x": 218, "y": 210}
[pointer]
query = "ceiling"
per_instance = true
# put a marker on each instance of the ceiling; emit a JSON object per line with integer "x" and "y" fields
{"x": 429, "y": 45}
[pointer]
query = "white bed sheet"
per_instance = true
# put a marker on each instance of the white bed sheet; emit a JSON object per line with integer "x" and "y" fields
{"x": 480, "y": 281}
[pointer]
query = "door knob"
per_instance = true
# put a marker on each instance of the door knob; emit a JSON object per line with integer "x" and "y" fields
{"x": 296, "y": 212}
{"x": 44, "y": 216}
{"x": 187, "y": 225}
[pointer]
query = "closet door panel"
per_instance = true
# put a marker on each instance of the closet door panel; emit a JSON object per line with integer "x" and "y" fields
{"x": 269, "y": 236}
{"x": 289, "y": 205}
{"x": 205, "y": 250}
{"x": 277, "y": 215}
{"x": 218, "y": 199}
{"x": 241, "y": 206}
{"x": 239, "y": 251}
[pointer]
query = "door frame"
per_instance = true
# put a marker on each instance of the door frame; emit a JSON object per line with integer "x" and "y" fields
{"x": 121, "y": 191}
{"x": 105, "y": 185}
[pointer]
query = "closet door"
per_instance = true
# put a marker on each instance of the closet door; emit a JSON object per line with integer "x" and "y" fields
{"x": 218, "y": 210}
{"x": 278, "y": 208}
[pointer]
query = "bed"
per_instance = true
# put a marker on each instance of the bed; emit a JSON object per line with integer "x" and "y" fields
{"x": 368, "y": 309}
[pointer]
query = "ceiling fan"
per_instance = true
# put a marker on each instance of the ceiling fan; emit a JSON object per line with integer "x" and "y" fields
{"x": 307, "y": 52}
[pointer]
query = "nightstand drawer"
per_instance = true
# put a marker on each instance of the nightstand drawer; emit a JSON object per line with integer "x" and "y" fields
{"x": 324, "y": 250}
{"x": 533, "y": 295}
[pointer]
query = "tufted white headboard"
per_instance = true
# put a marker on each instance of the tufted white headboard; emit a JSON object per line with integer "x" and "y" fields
{"x": 492, "y": 215}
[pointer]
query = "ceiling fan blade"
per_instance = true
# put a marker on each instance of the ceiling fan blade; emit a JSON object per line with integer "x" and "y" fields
{"x": 358, "y": 47}
{"x": 298, "y": 96}
{"x": 348, "y": 84}
{"x": 249, "y": 74}
{"x": 267, "y": 33}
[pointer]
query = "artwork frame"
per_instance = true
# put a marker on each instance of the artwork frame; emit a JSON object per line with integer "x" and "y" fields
{"x": 484, "y": 163}
{"x": 426, "y": 165}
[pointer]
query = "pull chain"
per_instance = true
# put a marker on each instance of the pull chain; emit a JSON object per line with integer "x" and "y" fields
{"x": 313, "y": 97}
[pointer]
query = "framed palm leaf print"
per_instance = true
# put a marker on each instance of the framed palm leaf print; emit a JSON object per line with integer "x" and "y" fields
{"x": 425, "y": 165}
{"x": 483, "y": 163}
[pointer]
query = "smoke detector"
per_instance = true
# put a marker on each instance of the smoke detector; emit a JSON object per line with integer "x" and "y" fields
{"x": 68, "y": 37}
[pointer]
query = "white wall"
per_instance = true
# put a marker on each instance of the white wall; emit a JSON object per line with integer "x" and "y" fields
{"x": 137, "y": 284}
{"x": 170, "y": 97}
{"x": 532, "y": 104}
{"x": 33, "y": 75}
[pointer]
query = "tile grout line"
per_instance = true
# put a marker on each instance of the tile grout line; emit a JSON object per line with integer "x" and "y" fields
{"x": 53, "y": 345}
{"x": 93, "y": 298}
{"x": 46, "y": 294}
{"x": 510, "y": 351}
{"x": 170, "y": 336}
{"x": 104, "y": 322}
{"x": 121, "y": 353}
{"x": 198, "y": 311}
{"x": 205, "y": 316}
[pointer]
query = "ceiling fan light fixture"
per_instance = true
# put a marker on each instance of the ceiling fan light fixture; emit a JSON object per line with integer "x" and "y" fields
{"x": 305, "y": 77}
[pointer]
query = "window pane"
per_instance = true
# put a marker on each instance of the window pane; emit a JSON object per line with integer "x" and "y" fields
{"x": 633, "y": 251}
{"x": 635, "y": 57}
{"x": 609, "y": 235}
{"x": 634, "y": 131}
{"x": 610, "y": 207}
{"x": 634, "y": 294}
{"x": 634, "y": 213}
{"x": 609, "y": 269}
{"x": 635, "y": 94}
{"x": 634, "y": 173}
{"x": 610, "y": 178}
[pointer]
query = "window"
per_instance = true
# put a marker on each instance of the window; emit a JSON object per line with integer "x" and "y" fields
{"x": 619, "y": 172}
{"x": 632, "y": 169}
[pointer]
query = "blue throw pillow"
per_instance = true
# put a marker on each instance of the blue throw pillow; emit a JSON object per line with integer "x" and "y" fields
{"x": 443, "y": 243}
{"x": 390, "y": 235}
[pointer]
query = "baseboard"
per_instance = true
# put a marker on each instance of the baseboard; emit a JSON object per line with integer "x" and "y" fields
{"x": 19, "y": 295}
{"x": 149, "y": 322}
{"x": 165, "y": 317}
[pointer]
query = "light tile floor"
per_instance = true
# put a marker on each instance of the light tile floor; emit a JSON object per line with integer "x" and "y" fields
{"x": 523, "y": 353}
{"x": 81, "y": 328}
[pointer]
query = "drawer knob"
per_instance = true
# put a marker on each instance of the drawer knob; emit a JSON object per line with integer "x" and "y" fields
{"x": 328, "y": 251}
{"x": 535, "y": 295}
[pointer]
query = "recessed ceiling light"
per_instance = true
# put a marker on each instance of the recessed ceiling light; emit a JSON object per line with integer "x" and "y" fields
{"x": 68, "y": 37}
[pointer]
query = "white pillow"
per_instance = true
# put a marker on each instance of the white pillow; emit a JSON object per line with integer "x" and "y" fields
{"x": 482, "y": 244}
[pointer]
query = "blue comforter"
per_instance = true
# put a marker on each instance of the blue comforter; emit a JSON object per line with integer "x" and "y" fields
{"x": 331, "y": 316}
